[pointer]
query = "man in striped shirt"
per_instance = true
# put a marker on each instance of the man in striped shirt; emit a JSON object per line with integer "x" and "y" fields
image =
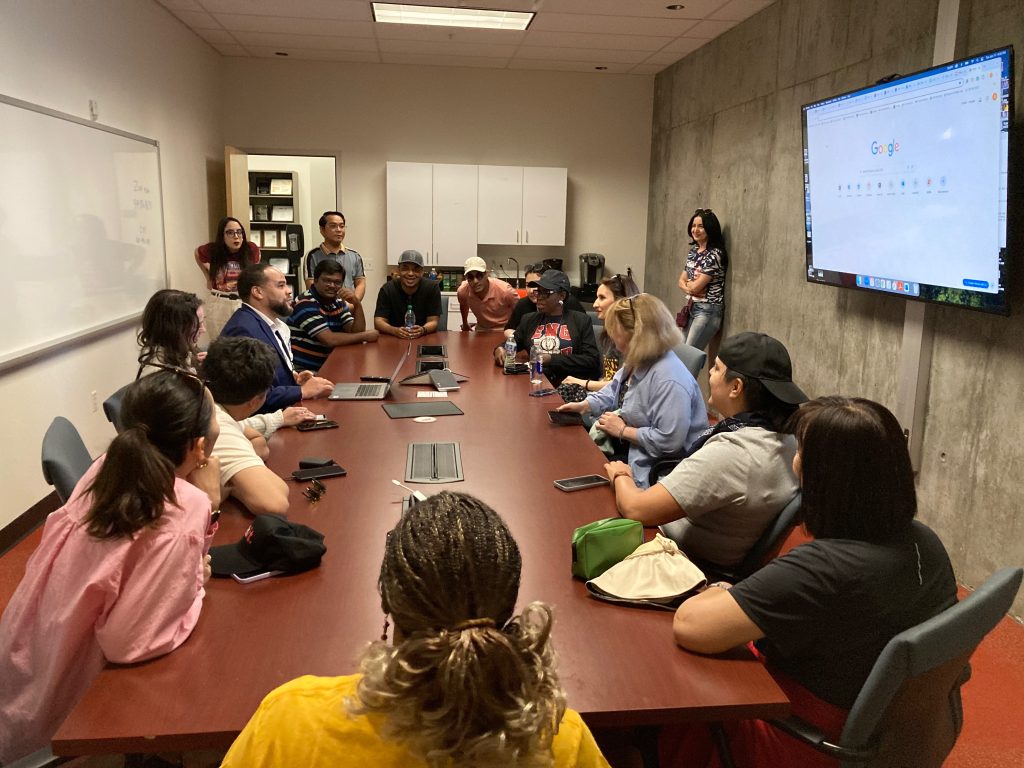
{"x": 326, "y": 316}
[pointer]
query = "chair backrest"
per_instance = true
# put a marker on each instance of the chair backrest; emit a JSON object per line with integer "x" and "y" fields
{"x": 596, "y": 321}
{"x": 65, "y": 457}
{"x": 692, "y": 357}
{"x": 770, "y": 541}
{"x": 442, "y": 320}
{"x": 910, "y": 703}
{"x": 112, "y": 408}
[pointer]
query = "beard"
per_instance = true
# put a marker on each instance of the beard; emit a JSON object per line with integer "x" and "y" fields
{"x": 282, "y": 308}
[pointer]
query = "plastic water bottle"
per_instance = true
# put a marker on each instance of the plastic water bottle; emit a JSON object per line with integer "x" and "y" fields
{"x": 536, "y": 363}
{"x": 510, "y": 352}
{"x": 433, "y": 274}
{"x": 410, "y": 318}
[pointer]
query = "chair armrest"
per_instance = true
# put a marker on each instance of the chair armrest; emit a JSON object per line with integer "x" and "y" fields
{"x": 813, "y": 737}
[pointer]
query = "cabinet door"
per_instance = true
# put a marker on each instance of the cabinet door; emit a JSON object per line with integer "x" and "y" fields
{"x": 454, "y": 214}
{"x": 544, "y": 206}
{"x": 500, "y": 206}
{"x": 410, "y": 209}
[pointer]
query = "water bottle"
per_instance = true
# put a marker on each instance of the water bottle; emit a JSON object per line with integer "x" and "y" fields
{"x": 433, "y": 274}
{"x": 536, "y": 363}
{"x": 510, "y": 352}
{"x": 410, "y": 318}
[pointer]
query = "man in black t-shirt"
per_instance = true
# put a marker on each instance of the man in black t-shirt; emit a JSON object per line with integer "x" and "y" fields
{"x": 409, "y": 290}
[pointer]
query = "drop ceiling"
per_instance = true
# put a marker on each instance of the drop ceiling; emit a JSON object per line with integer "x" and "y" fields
{"x": 637, "y": 37}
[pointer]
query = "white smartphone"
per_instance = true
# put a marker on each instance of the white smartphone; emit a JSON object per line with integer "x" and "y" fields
{"x": 571, "y": 484}
{"x": 254, "y": 577}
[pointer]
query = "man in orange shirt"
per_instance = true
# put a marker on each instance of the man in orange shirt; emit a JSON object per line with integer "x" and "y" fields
{"x": 491, "y": 300}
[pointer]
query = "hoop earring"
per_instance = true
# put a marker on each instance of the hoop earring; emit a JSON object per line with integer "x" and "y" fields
{"x": 384, "y": 632}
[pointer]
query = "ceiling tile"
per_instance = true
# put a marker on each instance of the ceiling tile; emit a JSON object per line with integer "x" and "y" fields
{"x": 315, "y": 42}
{"x": 444, "y": 61}
{"x": 738, "y": 10}
{"x": 567, "y": 66}
{"x": 292, "y": 26}
{"x": 605, "y": 42}
{"x": 441, "y": 34}
{"x": 315, "y": 54}
{"x": 217, "y": 37}
{"x": 646, "y": 69}
{"x": 616, "y": 25}
{"x": 684, "y": 45}
{"x": 695, "y": 9}
{"x": 197, "y": 20}
{"x": 708, "y": 30}
{"x": 231, "y": 50}
{"x": 358, "y": 10}
{"x": 183, "y": 5}
{"x": 446, "y": 49}
{"x": 664, "y": 58}
{"x": 595, "y": 57}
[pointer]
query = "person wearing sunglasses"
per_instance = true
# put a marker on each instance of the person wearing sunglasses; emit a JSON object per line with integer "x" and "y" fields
{"x": 652, "y": 409}
{"x": 239, "y": 372}
{"x": 566, "y": 337}
{"x": 465, "y": 680}
{"x": 120, "y": 571}
{"x": 528, "y": 303}
{"x": 491, "y": 300}
{"x": 703, "y": 279}
{"x": 221, "y": 262}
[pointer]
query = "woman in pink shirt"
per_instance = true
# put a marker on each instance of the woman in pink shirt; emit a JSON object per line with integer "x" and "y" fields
{"x": 119, "y": 573}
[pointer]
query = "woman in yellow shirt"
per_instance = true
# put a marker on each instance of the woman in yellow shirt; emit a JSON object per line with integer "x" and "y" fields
{"x": 465, "y": 681}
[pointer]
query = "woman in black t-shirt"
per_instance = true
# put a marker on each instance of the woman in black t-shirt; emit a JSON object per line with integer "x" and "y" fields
{"x": 821, "y": 614}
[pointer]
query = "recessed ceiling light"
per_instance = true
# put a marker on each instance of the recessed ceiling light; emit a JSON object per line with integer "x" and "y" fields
{"x": 601, "y": 68}
{"x": 280, "y": 53}
{"x": 674, "y": 7}
{"x": 396, "y": 13}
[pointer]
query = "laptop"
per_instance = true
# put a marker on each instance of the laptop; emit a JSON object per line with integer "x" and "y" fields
{"x": 363, "y": 390}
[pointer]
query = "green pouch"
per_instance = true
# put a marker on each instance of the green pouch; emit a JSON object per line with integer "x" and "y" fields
{"x": 598, "y": 546}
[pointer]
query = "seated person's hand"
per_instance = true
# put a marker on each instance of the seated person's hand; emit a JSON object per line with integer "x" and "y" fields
{"x": 615, "y": 468}
{"x": 499, "y": 356}
{"x": 611, "y": 423}
{"x": 301, "y": 377}
{"x": 296, "y": 415}
{"x": 371, "y": 335}
{"x": 580, "y": 407}
{"x": 207, "y": 568}
{"x": 348, "y": 296}
{"x": 316, "y": 387}
{"x": 574, "y": 380}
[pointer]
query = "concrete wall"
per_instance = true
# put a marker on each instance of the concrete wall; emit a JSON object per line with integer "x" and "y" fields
{"x": 727, "y": 135}
{"x": 152, "y": 77}
{"x": 597, "y": 127}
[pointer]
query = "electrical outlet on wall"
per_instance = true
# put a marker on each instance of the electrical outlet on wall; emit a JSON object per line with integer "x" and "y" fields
{"x": 95, "y": 399}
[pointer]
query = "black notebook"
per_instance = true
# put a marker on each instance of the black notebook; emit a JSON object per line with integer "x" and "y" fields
{"x": 412, "y": 410}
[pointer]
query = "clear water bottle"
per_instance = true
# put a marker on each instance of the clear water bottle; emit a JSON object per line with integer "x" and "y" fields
{"x": 536, "y": 363}
{"x": 410, "y": 318}
{"x": 510, "y": 352}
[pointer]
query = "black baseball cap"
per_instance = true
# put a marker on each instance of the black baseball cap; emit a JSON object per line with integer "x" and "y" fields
{"x": 271, "y": 543}
{"x": 761, "y": 357}
{"x": 552, "y": 280}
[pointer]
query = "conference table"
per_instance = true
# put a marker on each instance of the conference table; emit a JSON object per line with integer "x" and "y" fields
{"x": 618, "y": 664}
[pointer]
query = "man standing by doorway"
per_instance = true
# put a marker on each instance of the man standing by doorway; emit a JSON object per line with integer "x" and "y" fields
{"x": 332, "y": 229}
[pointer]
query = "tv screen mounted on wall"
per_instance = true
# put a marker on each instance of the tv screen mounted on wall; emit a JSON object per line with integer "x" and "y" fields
{"x": 905, "y": 184}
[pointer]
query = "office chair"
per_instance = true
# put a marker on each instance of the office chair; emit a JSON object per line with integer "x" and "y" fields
{"x": 692, "y": 358}
{"x": 112, "y": 408}
{"x": 764, "y": 549}
{"x": 909, "y": 710}
{"x": 65, "y": 457}
{"x": 442, "y": 319}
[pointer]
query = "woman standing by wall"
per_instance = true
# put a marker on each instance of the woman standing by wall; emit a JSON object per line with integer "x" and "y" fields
{"x": 703, "y": 279}
{"x": 222, "y": 261}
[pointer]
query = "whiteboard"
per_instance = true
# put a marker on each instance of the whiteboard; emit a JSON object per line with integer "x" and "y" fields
{"x": 81, "y": 228}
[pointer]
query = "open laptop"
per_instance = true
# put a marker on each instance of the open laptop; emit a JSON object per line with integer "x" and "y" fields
{"x": 362, "y": 390}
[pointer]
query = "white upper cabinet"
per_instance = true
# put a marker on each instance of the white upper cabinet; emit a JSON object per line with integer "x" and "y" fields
{"x": 500, "y": 205}
{"x": 455, "y": 210}
{"x": 544, "y": 195}
{"x": 410, "y": 210}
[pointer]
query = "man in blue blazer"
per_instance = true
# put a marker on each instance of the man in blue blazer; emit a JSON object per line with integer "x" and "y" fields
{"x": 264, "y": 294}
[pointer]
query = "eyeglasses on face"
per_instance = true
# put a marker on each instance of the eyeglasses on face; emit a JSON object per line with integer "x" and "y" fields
{"x": 234, "y": 232}
{"x": 330, "y": 281}
{"x": 543, "y": 293}
{"x": 334, "y": 225}
{"x": 198, "y": 429}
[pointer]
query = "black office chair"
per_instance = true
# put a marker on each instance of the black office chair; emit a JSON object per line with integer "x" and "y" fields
{"x": 112, "y": 408}
{"x": 65, "y": 457}
{"x": 909, "y": 711}
{"x": 692, "y": 357}
{"x": 442, "y": 319}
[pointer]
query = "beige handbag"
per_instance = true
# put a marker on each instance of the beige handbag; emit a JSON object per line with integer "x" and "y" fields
{"x": 656, "y": 575}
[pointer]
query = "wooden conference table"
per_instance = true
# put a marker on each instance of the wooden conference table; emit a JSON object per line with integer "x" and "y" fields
{"x": 619, "y": 665}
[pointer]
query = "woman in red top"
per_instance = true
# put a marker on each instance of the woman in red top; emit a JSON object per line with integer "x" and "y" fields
{"x": 222, "y": 261}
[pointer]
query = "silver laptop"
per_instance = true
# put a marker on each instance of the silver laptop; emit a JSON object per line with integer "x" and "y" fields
{"x": 374, "y": 390}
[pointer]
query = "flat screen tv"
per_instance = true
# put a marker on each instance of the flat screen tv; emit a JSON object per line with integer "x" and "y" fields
{"x": 905, "y": 184}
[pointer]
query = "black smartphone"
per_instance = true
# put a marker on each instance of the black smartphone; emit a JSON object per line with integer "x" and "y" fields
{"x": 309, "y": 426}
{"x": 543, "y": 392}
{"x": 516, "y": 368}
{"x": 318, "y": 472}
{"x": 571, "y": 484}
{"x": 315, "y": 461}
{"x": 566, "y": 418}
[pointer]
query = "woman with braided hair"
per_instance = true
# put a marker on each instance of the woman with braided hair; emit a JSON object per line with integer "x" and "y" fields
{"x": 465, "y": 681}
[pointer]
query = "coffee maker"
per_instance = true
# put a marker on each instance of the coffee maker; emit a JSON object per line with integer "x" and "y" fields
{"x": 591, "y": 274}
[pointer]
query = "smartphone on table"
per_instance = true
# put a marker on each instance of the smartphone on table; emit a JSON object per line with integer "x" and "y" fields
{"x": 571, "y": 484}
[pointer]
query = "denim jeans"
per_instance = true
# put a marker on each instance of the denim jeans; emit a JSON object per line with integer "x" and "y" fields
{"x": 705, "y": 320}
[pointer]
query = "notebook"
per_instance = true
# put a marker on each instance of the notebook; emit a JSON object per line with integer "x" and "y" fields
{"x": 363, "y": 390}
{"x": 412, "y": 410}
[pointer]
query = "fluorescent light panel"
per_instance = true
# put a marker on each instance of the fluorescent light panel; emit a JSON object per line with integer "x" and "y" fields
{"x": 396, "y": 13}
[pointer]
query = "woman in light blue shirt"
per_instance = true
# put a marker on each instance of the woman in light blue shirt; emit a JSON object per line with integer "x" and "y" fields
{"x": 652, "y": 409}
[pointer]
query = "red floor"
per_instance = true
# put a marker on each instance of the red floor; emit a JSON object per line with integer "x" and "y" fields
{"x": 993, "y": 734}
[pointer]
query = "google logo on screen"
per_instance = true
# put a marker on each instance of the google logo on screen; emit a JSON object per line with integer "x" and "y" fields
{"x": 882, "y": 148}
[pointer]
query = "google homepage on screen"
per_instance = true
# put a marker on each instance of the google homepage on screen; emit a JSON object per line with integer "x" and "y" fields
{"x": 905, "y": 183}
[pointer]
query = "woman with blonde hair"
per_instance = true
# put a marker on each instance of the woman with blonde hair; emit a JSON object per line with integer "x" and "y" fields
{"x": 653, "y": 407}
{"x": 465, "y": 681}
